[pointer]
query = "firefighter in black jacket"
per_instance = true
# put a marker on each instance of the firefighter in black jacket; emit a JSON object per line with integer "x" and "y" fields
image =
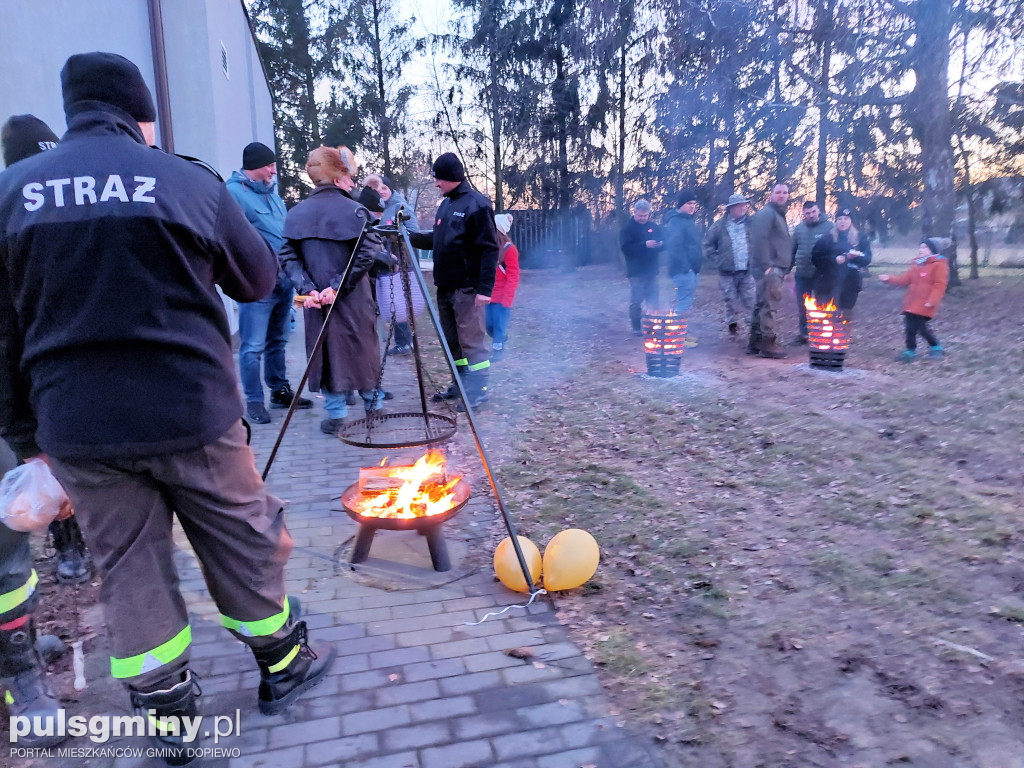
{"x": 465, "y": 245}
{"x": 22, "y": 672}
{"x": 115, "y": 360}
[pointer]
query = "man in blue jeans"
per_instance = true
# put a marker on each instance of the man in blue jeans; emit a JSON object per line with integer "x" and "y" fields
{"x": 264, "y": 325}
{"x": 683, "y": 248}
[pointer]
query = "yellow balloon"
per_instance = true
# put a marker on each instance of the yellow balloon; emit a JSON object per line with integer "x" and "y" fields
{"x": 570, "y": 559}
{"x": 506, "y": 564}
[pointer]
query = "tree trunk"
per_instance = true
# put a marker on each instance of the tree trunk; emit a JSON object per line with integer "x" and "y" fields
{"x": 560, "y": 92}
{"x": 780, "y": 141}
{"x": 729, "y": 180}
{"x": 823, "y": 122}
{"x": 620, "y": 176}
{"x": 972, "y": 207}
{"x": 933, "y": 124}
{"x": 496, "y": 127}
{"x": 378, "y": 62}
{"x": 302, "y": 47}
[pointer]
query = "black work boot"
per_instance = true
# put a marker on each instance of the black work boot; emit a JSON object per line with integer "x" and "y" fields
{"x": 771, "y": 349}
{"x": 72, "y": 556}
{"x": 163, "y": 710}
{"x": 475, "y": 384}
{"x": 452, "y": 393}
{"x": 754, "y": 344}
{"x": 282, "y": 398}
{"x": 23, "y": 678}
{"x": 290, "y": 667}
{"x": 449, "y": 394}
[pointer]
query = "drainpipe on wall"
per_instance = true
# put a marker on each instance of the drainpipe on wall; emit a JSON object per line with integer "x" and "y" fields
{"x": 163, "y": 99}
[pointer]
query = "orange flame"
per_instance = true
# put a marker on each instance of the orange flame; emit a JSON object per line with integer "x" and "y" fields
{"x": 417, "y": 496}
{"x": 811, "y": 305}
{"x": 826, "y": 326}
{"x": 664, "y": 333}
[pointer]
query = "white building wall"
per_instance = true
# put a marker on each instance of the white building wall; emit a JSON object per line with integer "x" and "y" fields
{"x": 36, "y": 38}
{"x": 213, "y": 116}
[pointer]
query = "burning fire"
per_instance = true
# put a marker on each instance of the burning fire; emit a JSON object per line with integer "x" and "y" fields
{"x": 826, "y": 326}
{"x": 664, "y": 333}
{"x": 406, "y": 492}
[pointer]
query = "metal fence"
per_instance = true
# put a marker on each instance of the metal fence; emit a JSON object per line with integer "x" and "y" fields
{"x": 552, "y": 239}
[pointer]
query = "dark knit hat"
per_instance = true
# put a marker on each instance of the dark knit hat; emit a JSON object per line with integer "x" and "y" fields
{"x": 370, "y": 199}
{"x": 257, "y": 155}
{"x": 108, "y": 78}
{"x": 23, "y": 136}
{"x": 845, "y": 212}
{"x": 934, "y": 244}
{"x": 684, "y": 197}
{"x": 387, "y": 182}
{"x": 448, "y": 167}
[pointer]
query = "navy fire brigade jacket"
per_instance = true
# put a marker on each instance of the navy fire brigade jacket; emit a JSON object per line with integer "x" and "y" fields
{"x": 112, "y": 335}
{"x": 464, "y": 241}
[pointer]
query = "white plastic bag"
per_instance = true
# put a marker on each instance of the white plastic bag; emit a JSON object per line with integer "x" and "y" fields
{"x": 30, "y": 497}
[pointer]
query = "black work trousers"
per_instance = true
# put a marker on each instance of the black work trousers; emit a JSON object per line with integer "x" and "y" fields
{"x": 126, "y": 509}
{"x": 17, "y": 579}
{"x": 465, "y": 329}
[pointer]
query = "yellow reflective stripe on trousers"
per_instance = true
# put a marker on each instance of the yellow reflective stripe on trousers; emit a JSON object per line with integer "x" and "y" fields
{"x": 285, "y": 661}
{"x": 462, "y": 361}
{"x": 480, "y": 366}
{"x": 165, "y": 726}
{"x": 260, "y": 628}
{"x": 11, "y": 600}
{"x": 134, "y": 666}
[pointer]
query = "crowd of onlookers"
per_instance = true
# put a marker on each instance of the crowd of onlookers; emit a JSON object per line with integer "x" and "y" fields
{"x": 754, "y": 254}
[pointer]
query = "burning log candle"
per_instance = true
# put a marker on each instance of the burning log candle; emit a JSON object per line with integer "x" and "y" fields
{"x": 664, "y": 337}
{"x": 827, "y": 333}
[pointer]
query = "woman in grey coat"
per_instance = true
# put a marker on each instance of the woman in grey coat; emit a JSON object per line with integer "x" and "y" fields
{"x": 320, "y": 233}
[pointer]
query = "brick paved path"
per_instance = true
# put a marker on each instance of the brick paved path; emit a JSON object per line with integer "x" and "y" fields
{"x": 414, "y": 686}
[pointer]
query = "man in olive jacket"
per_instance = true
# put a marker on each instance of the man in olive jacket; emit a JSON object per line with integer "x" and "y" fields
{"x": 727, "y": 246}
{"x": 770, "y": 259}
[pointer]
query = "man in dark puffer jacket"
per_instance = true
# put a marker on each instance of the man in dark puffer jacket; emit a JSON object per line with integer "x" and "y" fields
{"x": 683, "y": 248}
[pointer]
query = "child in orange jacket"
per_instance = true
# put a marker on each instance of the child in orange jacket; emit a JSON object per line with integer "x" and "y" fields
{"x": 927, "y": 279}
{"x": 506, "y": 280}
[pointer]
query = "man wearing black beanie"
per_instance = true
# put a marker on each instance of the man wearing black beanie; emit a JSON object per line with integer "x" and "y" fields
{"x": 23, "y": 136}
{"x": 683, "y": 248}
{"x": 22, "y": 672}
{"x": 264, "y": 325}
{"x": 465, "y": 245}
{"x": 115, "y": 360}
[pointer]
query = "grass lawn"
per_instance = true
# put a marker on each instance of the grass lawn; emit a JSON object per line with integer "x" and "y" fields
{"x": 799, "y": 568}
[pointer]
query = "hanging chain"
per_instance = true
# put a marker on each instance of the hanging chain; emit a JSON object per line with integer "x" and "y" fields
{"x": 378, "y": 390}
